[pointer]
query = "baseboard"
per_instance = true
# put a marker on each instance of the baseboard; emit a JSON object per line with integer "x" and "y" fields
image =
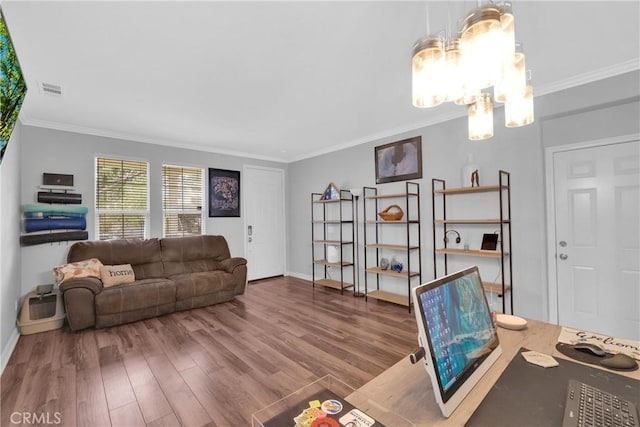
{"x": 300, "y": 276}
{"x": 8, "y": 349}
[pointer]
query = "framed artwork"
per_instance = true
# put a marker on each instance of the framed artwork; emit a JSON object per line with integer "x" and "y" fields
{"x": 12, "y": 86}
{"x": 224, "y": 193}
{"x": 331, "y": 192}
{"x": 399, "y": 161}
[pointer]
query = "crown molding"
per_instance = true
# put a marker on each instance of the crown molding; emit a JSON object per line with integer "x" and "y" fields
{"x": 588, "y": 77}
{"x": 581, "y": 79}
{"x": 67, "y": 127}
{"x": 389, "y": 133}
{"x": 578, "y": 80}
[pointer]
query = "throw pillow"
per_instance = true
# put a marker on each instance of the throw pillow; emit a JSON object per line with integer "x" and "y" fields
{"x": 113, "y": 275}
{"x": 86, "y": 268}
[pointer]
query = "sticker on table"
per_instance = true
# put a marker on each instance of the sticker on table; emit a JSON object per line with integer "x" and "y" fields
{"x": 324, "y": 422}
{"x": 356, "y": 417}
{"x": 315, "y": 404}
{"x": 332, "y": 406}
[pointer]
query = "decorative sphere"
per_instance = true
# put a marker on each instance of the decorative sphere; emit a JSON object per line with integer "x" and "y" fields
{"x": 396, "y": 265}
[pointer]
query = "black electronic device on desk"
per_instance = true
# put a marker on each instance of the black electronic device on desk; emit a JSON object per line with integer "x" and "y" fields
{"x": 526, "y": 394}
{"x": 590, "y": 406}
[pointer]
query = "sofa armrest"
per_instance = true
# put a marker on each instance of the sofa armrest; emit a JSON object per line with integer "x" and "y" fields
{"x": 91, "y": 283}
{"x": 79, "y": 300}
{"x": 231, "y": 264}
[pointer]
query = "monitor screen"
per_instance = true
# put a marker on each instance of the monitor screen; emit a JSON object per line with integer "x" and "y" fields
{"x": 457, "y": 333}
{"x": 12, "y": 86}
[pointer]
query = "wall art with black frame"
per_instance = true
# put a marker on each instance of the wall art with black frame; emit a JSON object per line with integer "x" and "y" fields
{"x": 224, "y": 193}
{"x": 399, "y": 161}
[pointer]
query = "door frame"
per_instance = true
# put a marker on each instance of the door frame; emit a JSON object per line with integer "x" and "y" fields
{"x": 282, "y": 173}
{"x": 552, "y": 267}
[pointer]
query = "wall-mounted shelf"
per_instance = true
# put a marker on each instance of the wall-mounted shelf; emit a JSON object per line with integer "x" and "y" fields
{"x": 55, "y": 218}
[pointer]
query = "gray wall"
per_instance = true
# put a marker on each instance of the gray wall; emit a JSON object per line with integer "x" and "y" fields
{"x": 47, "y": 150}
{"x": 10, "y": 290}
{"x": 593, "y": 111}
{"x": 601, "y": 109}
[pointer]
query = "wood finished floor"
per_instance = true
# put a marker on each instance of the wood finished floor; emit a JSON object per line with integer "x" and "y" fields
{"x": 212, "y": 366}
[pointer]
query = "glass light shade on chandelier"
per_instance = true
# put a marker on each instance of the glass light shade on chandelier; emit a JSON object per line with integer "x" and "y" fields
{"x": 481, "y": 118}
{"x": 454, "y": 76}
{"x": 514, "y": 79}
{"x": 428, "y": 71}
{"x": 469, "y": 96}
{"x": 518, "y": 110}
{"x": 482, "y": 47}
{"x": 482, "y": 57}
{"x": 507, "y": 21}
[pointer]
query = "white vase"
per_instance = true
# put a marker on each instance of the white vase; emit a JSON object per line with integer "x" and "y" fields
{"x": 333, "y": 254}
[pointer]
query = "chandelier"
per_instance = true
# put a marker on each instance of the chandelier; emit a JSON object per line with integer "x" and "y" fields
{"x": 464, "y": 68}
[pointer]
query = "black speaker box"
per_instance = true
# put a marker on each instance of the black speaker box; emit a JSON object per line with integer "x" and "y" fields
{"x": 57, "y": 179}
{"x": 39, "y": 238}
{"x": 61, "y": 198}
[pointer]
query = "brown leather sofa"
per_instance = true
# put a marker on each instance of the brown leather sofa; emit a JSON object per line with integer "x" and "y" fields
{"x": 172, "y": 274}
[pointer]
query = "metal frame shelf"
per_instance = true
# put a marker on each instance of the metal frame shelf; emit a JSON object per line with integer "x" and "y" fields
{"x": 323, "y": 216}
{"x": 411, "y": 247}
{"x": 503, "y": 254}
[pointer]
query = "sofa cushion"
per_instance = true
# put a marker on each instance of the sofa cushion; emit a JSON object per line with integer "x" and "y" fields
{"x": 113, "y": 275}
{"x": 143, "y": 255}
{"x": 193, "y": 254}
{"x": 85, "y": 268}
{"x": 207, "y": 282}
{"x": 138, "y": 295}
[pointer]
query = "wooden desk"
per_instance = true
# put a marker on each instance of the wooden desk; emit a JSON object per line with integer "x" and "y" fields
{"x": 406, "y": 389}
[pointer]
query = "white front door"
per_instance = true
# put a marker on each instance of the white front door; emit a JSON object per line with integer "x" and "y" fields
{"x": 597, "y": 218}
{"x": 264, "y": 222}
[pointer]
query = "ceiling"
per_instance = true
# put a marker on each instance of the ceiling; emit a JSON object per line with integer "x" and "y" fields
{"x": 277, "y": 80}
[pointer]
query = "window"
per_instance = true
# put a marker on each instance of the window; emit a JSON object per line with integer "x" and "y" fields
{"x": 122, "y": 199}
{"x": 182, "y": 200}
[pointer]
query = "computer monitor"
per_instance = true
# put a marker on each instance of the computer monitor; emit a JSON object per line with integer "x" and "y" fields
{"x": 457, "y": 333}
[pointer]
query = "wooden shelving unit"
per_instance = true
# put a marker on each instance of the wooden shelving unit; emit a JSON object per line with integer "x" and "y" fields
{"x": 406, "y": 243}
{"x": 503, "y": 254}
{"x": 336, "y": 213}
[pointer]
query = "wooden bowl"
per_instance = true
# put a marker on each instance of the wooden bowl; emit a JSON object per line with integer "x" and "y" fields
{"x": 392, "y": 213}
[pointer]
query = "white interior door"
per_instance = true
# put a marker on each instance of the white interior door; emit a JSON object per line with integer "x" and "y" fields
{"x": 264, "y": 222}
{"x": 597, "y": 217}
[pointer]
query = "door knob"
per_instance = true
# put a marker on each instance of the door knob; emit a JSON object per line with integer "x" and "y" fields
{"x": 563, "y": 256}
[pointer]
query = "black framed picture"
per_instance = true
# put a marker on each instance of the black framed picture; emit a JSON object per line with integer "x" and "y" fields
{"x": 224, "y": 193}
{"x": 399, "y": 161}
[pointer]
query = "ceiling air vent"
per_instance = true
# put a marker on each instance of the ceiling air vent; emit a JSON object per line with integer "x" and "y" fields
{"x": 51, "y": 89}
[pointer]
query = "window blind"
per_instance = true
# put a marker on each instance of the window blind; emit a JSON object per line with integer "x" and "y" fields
{"x": 182, "y": 200}
{"x": 122, "y": 198}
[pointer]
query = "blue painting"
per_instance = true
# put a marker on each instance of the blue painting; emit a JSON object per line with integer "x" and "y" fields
{"x": 12, "y": 86}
